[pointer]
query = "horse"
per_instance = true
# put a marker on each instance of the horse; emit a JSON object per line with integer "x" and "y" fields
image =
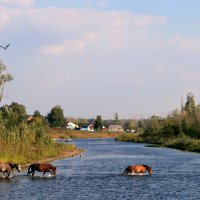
{"x": 41, "y": 167}
{"x": 138, "y": 169}
{"x": 9, "y": 167}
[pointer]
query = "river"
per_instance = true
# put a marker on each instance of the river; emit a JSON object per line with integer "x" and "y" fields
{"x": 97, "y": 175}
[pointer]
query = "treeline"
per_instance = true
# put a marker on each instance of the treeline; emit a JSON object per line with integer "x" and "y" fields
{"x": 186, "y": 121}
{"x": 23, "y": 138}
{"x": 180, "y": 129}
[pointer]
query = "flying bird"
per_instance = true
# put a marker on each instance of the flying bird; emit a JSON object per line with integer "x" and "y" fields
{"x": 5, "y": 46}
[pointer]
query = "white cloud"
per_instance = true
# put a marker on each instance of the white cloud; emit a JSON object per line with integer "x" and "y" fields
{"x": 68, "y": 47}
{"x": 79, "y": 30}
{"x": 26, "y": 3}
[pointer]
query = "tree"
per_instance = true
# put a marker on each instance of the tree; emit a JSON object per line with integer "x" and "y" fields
{"x": 37, "y": 114}
{"x": 4, "y": 77}
{"x": 153, "y": 126}
{"x": 116, "y": 118}
{"x": 13, "y": 115}
{"x": 98, "y": 123}
{"x": 56, "y": 117}
{"x": 131, "y": 124}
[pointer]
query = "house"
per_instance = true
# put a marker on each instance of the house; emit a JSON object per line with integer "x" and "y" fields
{"x": 88, "y": 128}
{"x": 29, "y": 118}
{"x": 115, "y": 128}
{"x": 71, "y": 125}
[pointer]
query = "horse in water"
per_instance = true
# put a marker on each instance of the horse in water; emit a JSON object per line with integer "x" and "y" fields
{"x": 138, "y": 169}
{"x": 9, "y": 167}
{"x": 41, "y": 167}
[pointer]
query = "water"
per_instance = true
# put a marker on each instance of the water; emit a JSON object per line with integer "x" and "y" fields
{"x": 97, "y": 175}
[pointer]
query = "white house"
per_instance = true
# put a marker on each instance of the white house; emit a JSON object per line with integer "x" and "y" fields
{"x": 71, "y": 125}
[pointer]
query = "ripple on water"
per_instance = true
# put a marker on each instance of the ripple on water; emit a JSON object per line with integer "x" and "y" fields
{"x": 97, "y": 176}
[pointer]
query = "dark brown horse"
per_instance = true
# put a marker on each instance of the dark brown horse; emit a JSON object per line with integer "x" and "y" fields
{"x": 137, "y": 169}
{"x": 41, "y": 167}
{"x": 9, "y": 167}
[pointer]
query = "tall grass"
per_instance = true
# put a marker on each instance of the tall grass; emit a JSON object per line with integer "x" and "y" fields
{"x": 181, "y": 142}
{"x": 26, "y": 144}
{"x": 66, "y": 133}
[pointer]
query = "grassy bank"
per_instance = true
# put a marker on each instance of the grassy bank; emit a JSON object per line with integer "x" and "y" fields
{"x": 26, "y": 144}
{"x": 181, "y": 142}
{"x": 65, "y": 133}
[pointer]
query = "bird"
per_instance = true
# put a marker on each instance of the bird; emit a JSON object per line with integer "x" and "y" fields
{"x": 5, "y": 46}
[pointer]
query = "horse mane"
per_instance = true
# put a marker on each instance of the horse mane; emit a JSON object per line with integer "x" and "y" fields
{"x": 147, "y": 166}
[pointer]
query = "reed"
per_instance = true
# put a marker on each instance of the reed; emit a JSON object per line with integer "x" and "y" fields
{"x": 66, "y": 133}
{"x": 181, "y": 142}
{"x": 26, "y": 144}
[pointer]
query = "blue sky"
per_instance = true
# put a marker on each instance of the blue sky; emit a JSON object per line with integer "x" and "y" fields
{"x": 98, "y": 57}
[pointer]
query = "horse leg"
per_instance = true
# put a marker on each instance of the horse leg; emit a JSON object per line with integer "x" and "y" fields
{"x": 8, "y": 173}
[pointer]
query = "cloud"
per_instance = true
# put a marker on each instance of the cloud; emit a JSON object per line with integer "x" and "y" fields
{"x": 101, "y": 2}
{"x": 25, "y": 3}
{"x": 68, "y": 47}
{"x": 75, "y": 31}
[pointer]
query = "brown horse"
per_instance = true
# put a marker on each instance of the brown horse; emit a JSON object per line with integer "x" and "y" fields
{"x": 138, "y": 169}
{"x": 9, "y": 167}
{"x": 41, "y": 167}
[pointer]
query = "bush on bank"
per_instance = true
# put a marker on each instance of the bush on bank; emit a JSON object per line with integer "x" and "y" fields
{"x": 24, "y": 142}
{"x": 181, "y": 142}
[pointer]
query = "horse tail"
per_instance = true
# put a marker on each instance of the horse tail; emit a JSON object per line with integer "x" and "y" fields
{"x": 29, "y": 168}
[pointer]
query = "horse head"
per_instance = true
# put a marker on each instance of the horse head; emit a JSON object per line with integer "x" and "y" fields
{"x": 149, "y": 170}
{"x": 15, "y": 166}
{"x": 54, "y": 170}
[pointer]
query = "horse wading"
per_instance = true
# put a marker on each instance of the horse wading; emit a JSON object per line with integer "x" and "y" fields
{"x": 137, "y": 169}
{"x": 41, "y": 167}
{"x": 9, "y": 168}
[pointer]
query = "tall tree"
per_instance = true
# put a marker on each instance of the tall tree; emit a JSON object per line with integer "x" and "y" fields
{"x": 13, "y": 115}
{"x": 98, "y": 123}
{"x": 116, "y": 118}
{"x": 4, "y": 77}
{"x": 56, "y": 117}
{"x": 190, "y": 106}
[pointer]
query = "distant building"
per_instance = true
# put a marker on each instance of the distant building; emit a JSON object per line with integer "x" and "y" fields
{"x": 29, "y": 118}
{"x": 115, "y": 128}
{"x": 71, "y": 125}
{"x": 88, "y": 128}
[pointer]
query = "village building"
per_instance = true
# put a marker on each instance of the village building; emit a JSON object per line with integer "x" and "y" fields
{"x": 115, "y": 128}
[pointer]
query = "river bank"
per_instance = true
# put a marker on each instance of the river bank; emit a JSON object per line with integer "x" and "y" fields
{"x": 64, "y": 154}
{"x": 181, "y": 142}
{"x": 66, "y": 134}
{"x": 75, "y": 134}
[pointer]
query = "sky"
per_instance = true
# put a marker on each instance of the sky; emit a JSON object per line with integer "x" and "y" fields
{"x": 136, "y": 58}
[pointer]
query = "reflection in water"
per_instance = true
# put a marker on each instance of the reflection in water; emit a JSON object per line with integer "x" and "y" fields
{"x": 98, "y": 175}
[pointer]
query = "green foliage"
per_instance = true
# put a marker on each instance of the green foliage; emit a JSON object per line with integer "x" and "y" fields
{"x": 25, "y": 141}
{"x": 131, "y": 125}
{"x": 153, "y": 126}
{"x": 56, "y": 117}
{"x": 116, "y": 119}
{"x": 98, "y": 123}
{"x": 4, "y": 77}
{"x": 13, "y": 115}
{"x": 129, "y": 137}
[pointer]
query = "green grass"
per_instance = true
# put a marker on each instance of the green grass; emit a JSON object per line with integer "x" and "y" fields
{"x": 24, "y": 145}
{"x": 181, "y": 142}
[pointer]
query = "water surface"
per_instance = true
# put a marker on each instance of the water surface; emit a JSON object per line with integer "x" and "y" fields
{"x": 97, "y": 175}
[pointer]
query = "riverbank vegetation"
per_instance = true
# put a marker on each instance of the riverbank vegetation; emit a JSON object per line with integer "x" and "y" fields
{"x": 66, "y": 133}
{"x": 180, "y": 129}
{"x": 25, "y": 141}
